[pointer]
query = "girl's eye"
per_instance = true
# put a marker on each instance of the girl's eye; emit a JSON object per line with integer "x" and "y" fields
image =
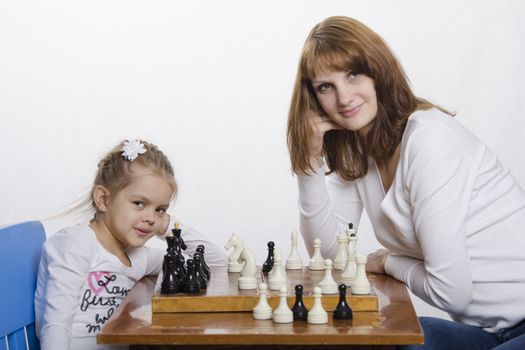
{"x": 139, "y": 204}
{"x": 323, "y": 87}
{"x": 161, "y": 210}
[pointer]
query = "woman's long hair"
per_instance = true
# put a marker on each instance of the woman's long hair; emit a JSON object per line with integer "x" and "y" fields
{"x": 345, "y": 44}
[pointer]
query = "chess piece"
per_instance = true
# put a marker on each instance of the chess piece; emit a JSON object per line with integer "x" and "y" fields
{"x": 361, "y": 285}
{"x": 263, "y": 310}
{"x": 170, "y": 250}
{"x": 282, "y": 313}
{"x": 278, "y": 275}
{"x": 317, "y": 314}
{"x": 199, "y": 276}
{"x": 294, "y": 261}
{"x": 170, "y": 281}
{"x": 351, "y": 234}
{"x": 328, "y": 284}
{"x": 179, "y": 244}
{"x": 234, "y": 264}
{"x": 340, "y": 258}
{"x": 300, "y": 312}
{"x": 348, "y": 275}
{"x": 203, "y": 271}
{"x": 268, "y": 264}
{"x": 247, "y": 279}
{"x": 200, "y": 249}
{"x": 342, "y": 311}
{"x": 317, "y": 261}
{"x": 190, "y": 284}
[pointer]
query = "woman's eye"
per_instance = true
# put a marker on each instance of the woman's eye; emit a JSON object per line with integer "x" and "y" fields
{"x": 139, "y": 204}
{"x": 352, "y": 75}
{"x": 323, "y": 87}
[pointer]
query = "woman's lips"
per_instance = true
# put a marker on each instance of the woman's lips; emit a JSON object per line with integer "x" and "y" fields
{"x": 352, "y": 112}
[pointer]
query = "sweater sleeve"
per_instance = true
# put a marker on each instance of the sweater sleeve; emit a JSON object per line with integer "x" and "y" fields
{"x": 439, "y": 170}
{"x": 325, "y": 209}
{"x": 64, "y": 265}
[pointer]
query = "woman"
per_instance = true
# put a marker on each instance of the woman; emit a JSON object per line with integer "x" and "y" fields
{"x": 451, "y": 218}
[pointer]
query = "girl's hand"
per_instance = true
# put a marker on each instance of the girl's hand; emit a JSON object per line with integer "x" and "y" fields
{"x": 376, "y": 261}
{"x": 319, "y": 125}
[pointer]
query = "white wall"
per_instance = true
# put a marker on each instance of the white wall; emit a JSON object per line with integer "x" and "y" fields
{"x": 209, "y": 82}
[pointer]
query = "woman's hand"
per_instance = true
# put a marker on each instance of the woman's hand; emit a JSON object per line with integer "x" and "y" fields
{"x": 319, "y": 125}
{"x": 376, "y": 261}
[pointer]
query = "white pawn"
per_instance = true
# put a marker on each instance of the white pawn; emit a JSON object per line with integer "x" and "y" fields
{"x": 340, "y": 258}
{"x": 282, "y": 313}
{"x": 317, "y": 261}
{"x": 328, "y": 284}
{"x": 278, "y": 277}
{"x": 294, "y": 261}
{"x": 263, "y": 310}
{"x": 348, "y": 275}
{"x": 317, "y": 314}
{"x": 361, "y": 284}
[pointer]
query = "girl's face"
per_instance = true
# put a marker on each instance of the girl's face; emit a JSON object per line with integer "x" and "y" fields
{"x": 349, "y": 99}
{"x": 138, "y": 211}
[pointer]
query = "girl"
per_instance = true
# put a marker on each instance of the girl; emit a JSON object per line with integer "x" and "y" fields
{"x": 450, "y": 216}
{"x": 87, "y": 270}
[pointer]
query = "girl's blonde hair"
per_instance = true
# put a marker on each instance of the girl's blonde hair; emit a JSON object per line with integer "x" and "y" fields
{"x": 345, "y": 44}
{"x": 115, "y": 172}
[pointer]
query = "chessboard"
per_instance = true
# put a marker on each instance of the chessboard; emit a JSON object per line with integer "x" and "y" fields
{"x": 223, "y": 294}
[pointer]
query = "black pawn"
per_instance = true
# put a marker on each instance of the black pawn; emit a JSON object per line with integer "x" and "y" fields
{"x": 190, "y": 284}
{"x": 342, "y": 310}
{"x": 200, "y": 249}
{"x": 199, "y": 275}
{"x": 203, "y": 270}
{"x": 268, "y": 264}
{"x": 300, "y": 312}
{"x": 170, "y": 281}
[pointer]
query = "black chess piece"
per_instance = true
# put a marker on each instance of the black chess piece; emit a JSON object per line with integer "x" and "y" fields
{"x": 300, "y": 312}
{"x": 203, "y": 270}
{"x": 199, "y": 275}
{"x": 200, "y": 249}
{"x": 170, "y": 281}
{"x": 351, "y": 226}
{"x": 342, "y": 311}
{"x": 179, "y": 241}
{"x": 190, "y": 284}
{"x": 170, "y": 251}
{"x": 181, "y": 269}
{"x": 268, "y": 264}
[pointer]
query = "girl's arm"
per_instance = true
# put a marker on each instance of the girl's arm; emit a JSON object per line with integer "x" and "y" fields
{"x": 440, "y": 169}
{"x": 325, "y": 209}
{"x": 63, "y": 269}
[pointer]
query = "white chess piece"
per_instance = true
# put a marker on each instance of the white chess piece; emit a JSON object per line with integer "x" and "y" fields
{"x": 348, "y": 275}
{"x": 317, "y": 261}
{"x": 234, "y": 264}
{"x": 328, "y": 284}
{"x": 282, "y": 313}
{"x": 278, "y": 277}
{"x": 294, "y": 261}
{"x": 351, "y": 234}
{"x": 317, "y": 314}
{"x": 361, "y": 285}
{"x": 340, "y": 257}
{"x": 247, "y": 279}
{"x": 263, "y": 310}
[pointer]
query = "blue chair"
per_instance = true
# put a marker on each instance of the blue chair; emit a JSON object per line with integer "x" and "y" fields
{"x": 20, "y": 249}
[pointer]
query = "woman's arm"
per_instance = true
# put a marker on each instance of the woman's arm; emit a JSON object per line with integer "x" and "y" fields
{"x": 325, "y": 209}
{"x": 440, "y": 168}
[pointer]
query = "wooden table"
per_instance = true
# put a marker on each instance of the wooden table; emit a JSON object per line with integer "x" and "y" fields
{"x": 395, "y": 323}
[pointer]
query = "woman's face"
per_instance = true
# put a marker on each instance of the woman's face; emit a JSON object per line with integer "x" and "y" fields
{"x": 349, "y": 99}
